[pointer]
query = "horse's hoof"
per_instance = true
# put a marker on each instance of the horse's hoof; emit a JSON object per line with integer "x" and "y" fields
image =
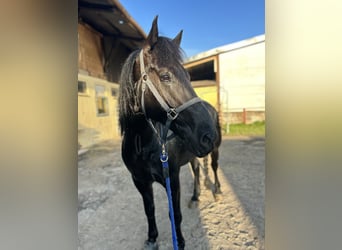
{"x": 218, "y": 191}
{"x": 194, "y": 198}
{"x": 148, "y": 245}
{"x": 181, "y": 246}
{"x": 217, "y": 195}
{"x": 193, "y": 204}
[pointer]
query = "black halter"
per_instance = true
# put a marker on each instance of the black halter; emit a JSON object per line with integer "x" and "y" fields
{"x": 171, "y": 112}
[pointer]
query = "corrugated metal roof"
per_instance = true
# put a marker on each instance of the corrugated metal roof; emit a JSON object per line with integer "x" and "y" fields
{"x": 110, "y": 18}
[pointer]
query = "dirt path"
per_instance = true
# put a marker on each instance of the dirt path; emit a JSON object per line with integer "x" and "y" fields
{"x": 111, "y": 212}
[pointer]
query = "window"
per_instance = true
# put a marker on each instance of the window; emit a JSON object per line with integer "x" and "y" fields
{"x": 203, "y": 71}
{"x": 82, "y": 87}
{"x": 101, "y": 100}
{"x": 114, "y": 92}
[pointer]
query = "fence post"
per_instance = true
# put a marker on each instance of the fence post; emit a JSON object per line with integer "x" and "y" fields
{"x": 244, "y": 116}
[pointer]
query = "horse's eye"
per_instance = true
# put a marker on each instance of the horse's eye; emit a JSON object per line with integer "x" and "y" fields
{"x": 165, "y": 77}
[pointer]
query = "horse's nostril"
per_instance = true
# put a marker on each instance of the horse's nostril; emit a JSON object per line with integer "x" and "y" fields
{"x": 206, "y": 139}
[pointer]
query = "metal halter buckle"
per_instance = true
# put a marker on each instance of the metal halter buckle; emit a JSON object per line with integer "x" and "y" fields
{"x": 172, "y": 114}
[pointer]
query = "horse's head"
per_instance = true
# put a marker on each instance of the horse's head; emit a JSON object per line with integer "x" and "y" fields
{"x": 164, "y": 92}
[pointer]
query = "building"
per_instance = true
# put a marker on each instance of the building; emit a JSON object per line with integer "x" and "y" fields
{"x": 232, "y": 78}
{"x": 106, "y": 36}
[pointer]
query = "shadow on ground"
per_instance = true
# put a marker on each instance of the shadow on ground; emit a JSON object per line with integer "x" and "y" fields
{"x": 111, "y": 215}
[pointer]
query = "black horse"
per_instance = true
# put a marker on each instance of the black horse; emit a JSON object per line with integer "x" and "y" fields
{"x": 156, "y": 95}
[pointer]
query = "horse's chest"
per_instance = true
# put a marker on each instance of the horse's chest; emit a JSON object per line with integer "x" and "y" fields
{"x": 147, "y": 171}
{"x": 142, "y": 159}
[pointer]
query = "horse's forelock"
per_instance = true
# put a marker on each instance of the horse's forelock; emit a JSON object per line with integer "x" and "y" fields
{"x": 168, "y": 53}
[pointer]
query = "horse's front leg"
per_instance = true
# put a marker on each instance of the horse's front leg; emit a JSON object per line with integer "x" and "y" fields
{"x": 195, "y": 165}
{"x": 175, "y": 190}
{"x": 214, "y": 165}
{"x": 146, "y": 191}
{"x": 207, "y": 181}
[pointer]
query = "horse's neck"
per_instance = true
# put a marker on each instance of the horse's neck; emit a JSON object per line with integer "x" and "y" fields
{"x": 146, "y": 141}
{"x": 137, "y": 123}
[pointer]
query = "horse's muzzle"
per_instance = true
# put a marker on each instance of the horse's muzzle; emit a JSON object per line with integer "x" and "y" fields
{"x": 206, "y": 144}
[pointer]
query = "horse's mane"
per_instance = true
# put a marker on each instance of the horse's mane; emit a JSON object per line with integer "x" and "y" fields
{"x": 126, "y": 90}
{"x": 168, "y": 55}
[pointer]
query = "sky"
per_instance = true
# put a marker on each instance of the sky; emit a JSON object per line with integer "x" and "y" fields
{"x": 206, "y": 24}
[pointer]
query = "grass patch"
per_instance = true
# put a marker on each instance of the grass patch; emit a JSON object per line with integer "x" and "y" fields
{"x": 254, "y": 129}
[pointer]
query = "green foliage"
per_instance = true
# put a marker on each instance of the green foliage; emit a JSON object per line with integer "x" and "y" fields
{"x": 254, "y": 129}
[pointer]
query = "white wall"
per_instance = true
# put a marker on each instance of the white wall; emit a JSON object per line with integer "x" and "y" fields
{"x": 242, "y": 78}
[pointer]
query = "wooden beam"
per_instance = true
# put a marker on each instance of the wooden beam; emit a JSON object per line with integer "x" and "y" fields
{"x": 198, "y": 62}
{"x": 96, "y": 6}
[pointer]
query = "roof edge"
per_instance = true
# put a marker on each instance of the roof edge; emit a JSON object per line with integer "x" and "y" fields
{"x": 129, "y": 17}
{"x": 225, "y": 48}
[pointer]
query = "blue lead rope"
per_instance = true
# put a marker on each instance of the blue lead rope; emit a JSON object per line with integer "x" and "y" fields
{"x": 164, "y": 159}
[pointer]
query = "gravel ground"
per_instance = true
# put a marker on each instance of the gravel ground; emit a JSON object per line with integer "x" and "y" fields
{"x": 111, "y": 214}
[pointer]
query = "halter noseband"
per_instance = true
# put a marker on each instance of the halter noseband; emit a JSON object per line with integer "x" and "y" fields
{"x": 172, "y": 113}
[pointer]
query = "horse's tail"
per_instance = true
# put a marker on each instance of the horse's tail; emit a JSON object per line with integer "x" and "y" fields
{"x": 218, "y": 129}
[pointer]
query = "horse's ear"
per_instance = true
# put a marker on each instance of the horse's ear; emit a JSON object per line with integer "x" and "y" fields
{"x": 153, "y": 35}
{"x": 178, "y": 38}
